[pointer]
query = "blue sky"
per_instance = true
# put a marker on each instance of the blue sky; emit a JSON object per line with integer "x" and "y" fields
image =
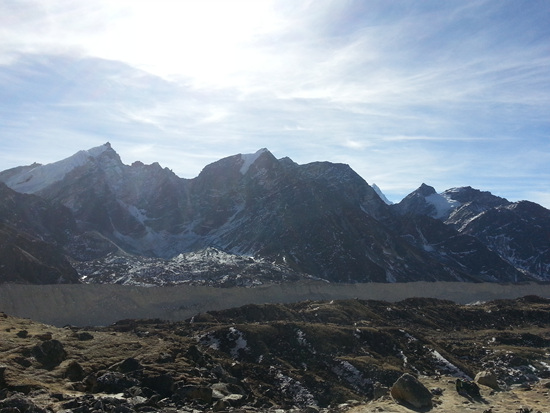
{"x": 449, "y": 93}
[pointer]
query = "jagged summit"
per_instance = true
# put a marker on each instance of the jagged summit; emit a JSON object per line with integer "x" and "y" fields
{"x": 36, "y": 177}
{"x": 449, "y": 204}
{"x": 250, "y": 159}
{"x": 425, "y": 190}
{"x": 426, "y": 201}
{"x": 467, "y": 194}
{"x": 95, "y": 152}
{"x": 234, "y": 167}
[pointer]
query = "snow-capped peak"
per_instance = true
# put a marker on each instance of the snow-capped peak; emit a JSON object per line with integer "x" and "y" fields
{"x": 249, "y": 159}
{"x": 381, "y": 194}
{"x": 33, "y": 180}
{"x": 442, "y": 203}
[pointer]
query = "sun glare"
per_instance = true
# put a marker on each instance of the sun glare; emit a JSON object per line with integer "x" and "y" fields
{"x": 207, "y": 41}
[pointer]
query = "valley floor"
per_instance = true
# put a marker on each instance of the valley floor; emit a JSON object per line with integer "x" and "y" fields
{"x": 104, "y": 304}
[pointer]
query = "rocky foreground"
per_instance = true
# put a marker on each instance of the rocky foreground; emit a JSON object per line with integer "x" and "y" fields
{"x": 349, "y": 355}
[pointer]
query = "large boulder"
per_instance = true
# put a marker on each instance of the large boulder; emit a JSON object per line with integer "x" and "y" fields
{"x": 228, "y": 402}
{"x": 20, "y": 404}
{"x": 160, "y": 383}
{"x": 127, "y": 366}
{"x": 74, "y": 372}
{"x": 408, "y": 390}
{"x": 467, "y": 388}
{"x": 487, "y": 378}
{"x": 193, "y": 392}
{"x": 49, "y": 353}
{"x": 114, "y": 382}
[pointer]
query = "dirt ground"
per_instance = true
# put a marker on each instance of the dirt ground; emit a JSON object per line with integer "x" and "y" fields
{"x": 519, "y": 399}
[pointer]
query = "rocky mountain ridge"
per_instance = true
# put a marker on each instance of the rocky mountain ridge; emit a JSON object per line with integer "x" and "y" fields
{"x": 516, "y": 231}
{"x": 317, "y": 220}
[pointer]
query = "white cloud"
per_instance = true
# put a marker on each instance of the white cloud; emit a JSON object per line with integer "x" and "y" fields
{"x": 405, "y": 94}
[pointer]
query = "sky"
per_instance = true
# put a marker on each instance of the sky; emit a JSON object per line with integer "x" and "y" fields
{"x": 448, "y": 93}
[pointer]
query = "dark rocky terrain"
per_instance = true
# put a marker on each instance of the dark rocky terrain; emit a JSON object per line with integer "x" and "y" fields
{"x": 32, "y": 231}
{"x": 208, "y": 266}
{"x": 308, "y": 356}
{"x": 129, "y": 224}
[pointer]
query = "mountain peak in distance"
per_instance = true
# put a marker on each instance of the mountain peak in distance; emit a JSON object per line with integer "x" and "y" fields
{"x": 33, "y": 178}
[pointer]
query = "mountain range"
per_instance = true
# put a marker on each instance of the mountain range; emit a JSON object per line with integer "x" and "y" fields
{"x": 252, "y": 218}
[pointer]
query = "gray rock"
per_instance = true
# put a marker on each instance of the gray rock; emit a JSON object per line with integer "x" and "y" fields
{"x": 18, "y": 403}
{"x": 379, "y": 391}
{"x": 49, "y": 353}
{"x": 114, "y": 382}
{"x": 487, "y": 378}
{"x": 231, "y": 400}
{"x": 128, "y": 365}
{"x": 226, "y": 389}
{"x": 74, "y": 372}
{"x": 192, "y": 392}
{"x": 467, "y": 388}
{"x": 84, "y": 336}
{"x": 407, "y": 389}
{"x": 160, "y": 383}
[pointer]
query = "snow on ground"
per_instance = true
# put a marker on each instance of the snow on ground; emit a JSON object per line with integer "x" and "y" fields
{"x": 447, "y": 366}
{"x": 240, "y": 342}
{"x": 209, "y": 341}
{"x": 345, "y": 370}
{"x": 301, "y": 337}
{"x": 301, "y": 396}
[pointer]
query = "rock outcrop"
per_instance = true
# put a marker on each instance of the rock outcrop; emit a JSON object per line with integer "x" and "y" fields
{"x": 408, "y": 390}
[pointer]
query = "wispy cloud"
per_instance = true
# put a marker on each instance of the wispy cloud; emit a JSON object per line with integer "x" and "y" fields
{"x": 448, "y": 93}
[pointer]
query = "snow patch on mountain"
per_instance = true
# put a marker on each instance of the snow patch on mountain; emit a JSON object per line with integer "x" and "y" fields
{"x": 381, "y": 194}
{"x": 442, "y": 203}
{"x": 42, "y": 176}
{"x": 249, "y": 159}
